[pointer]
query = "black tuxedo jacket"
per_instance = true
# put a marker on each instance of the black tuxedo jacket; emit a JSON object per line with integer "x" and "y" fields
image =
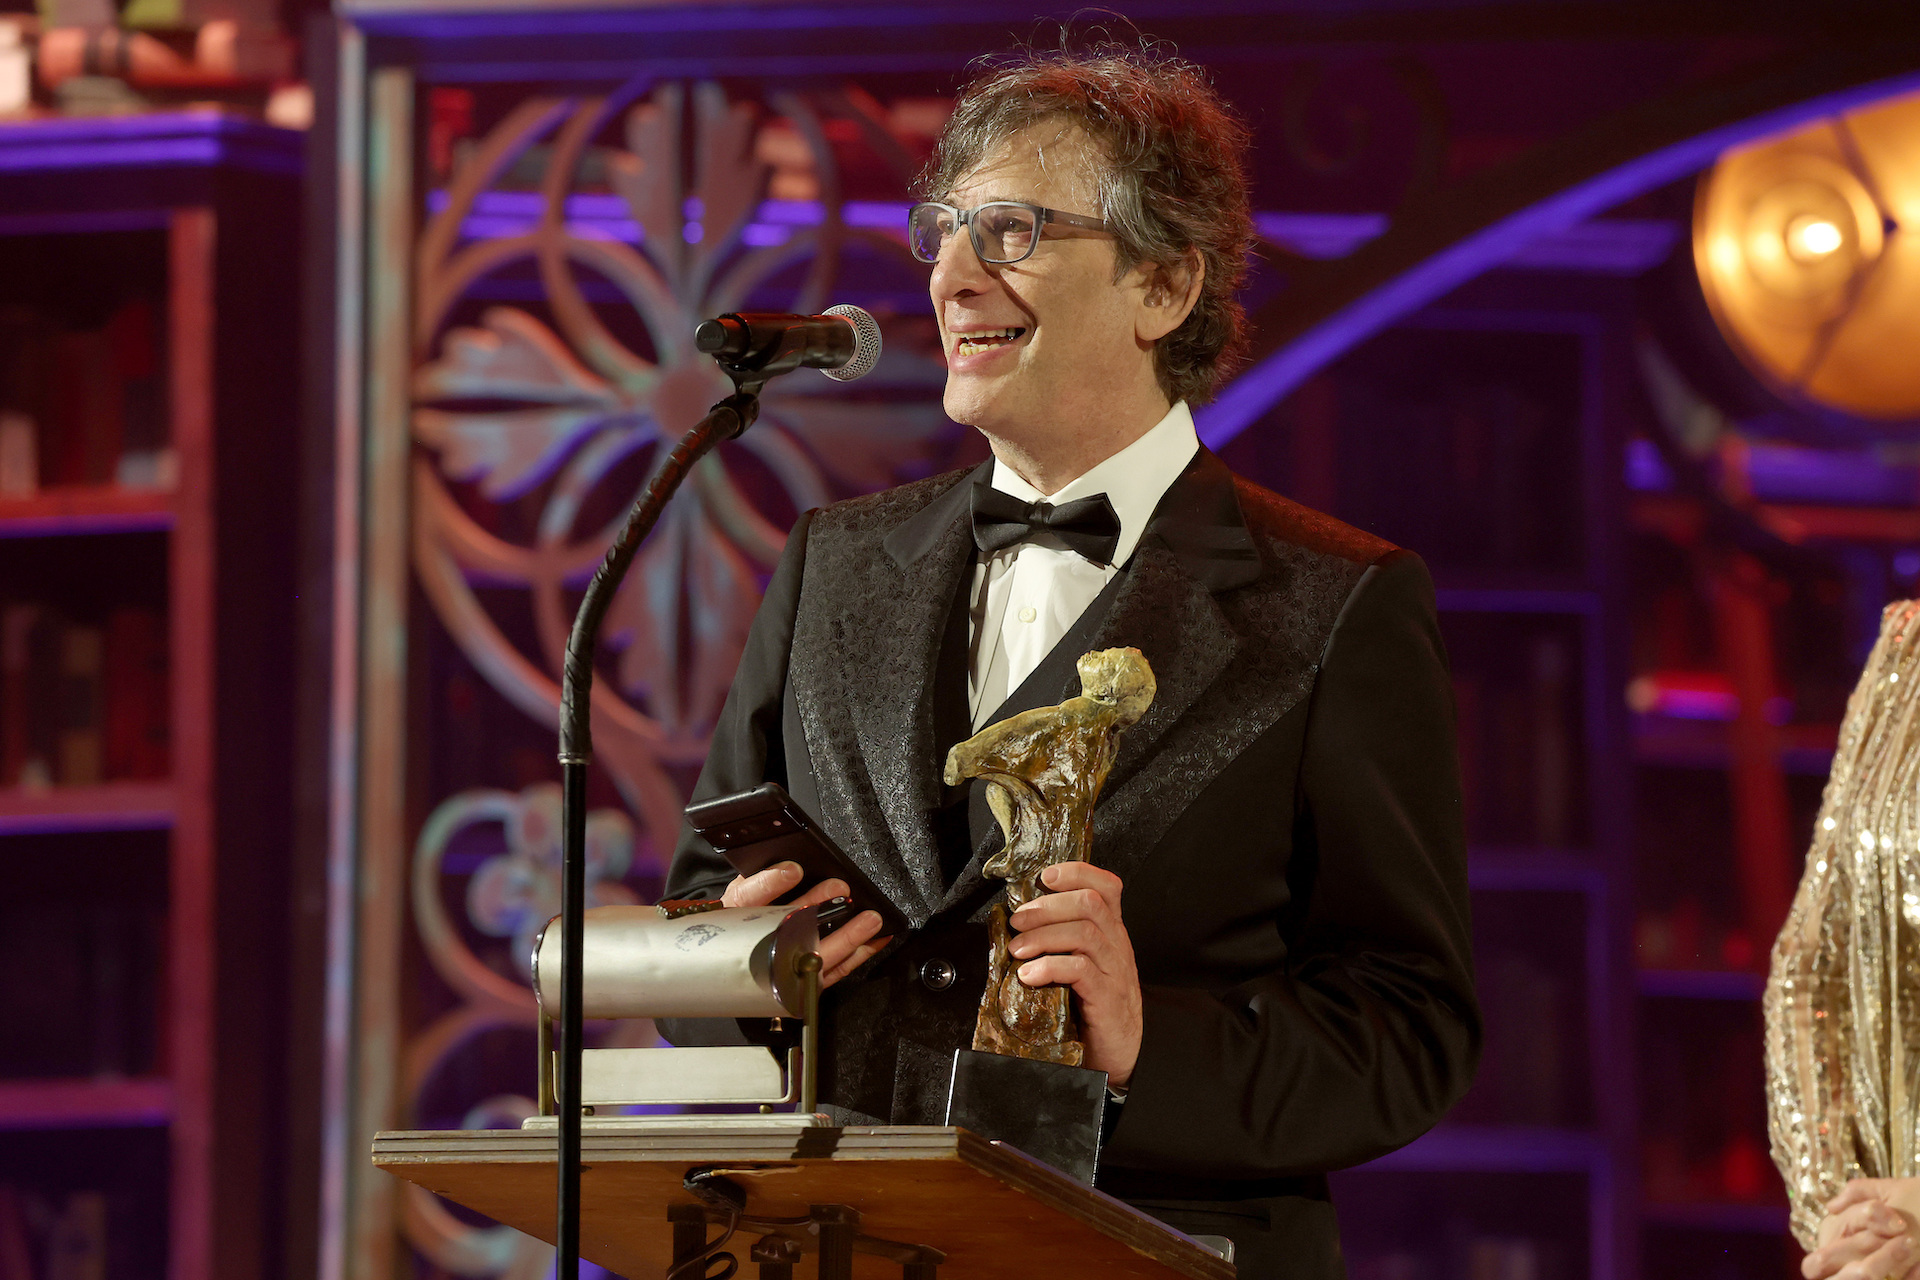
{"x": 1286, "y": 819}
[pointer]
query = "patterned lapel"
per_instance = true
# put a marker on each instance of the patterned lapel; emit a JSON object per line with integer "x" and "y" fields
{"x": 874, "y": 598}
{"x": 928, "y": 555}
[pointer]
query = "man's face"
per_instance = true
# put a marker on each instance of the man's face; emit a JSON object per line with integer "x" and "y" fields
{"x": 1032, "y": 345}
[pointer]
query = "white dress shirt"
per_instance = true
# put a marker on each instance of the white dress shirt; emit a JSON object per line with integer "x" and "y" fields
{"x": 1026, "y": 597}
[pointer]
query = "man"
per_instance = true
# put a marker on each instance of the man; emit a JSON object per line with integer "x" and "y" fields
{"x": 1269, "y": 954}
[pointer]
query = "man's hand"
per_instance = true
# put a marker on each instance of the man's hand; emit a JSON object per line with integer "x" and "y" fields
{"x": 843, "y": 950}
{"x": 1074, "y": 936}
{"x": 1864, "y": 1237}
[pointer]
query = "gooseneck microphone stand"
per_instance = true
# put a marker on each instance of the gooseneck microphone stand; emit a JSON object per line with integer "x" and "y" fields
{"x": 724, "y": 421}
{"x": 750, "y": 348}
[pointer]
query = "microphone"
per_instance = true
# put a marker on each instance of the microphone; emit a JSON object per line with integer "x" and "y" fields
{"x": 844, "y": 343}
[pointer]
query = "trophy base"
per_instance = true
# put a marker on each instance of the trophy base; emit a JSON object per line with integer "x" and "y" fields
{"x": 1048, "y": 1111}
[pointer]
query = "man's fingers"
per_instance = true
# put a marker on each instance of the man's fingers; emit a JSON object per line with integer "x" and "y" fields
{"x": 762, "y": 887}
{"x": 843, "y": 950}
{"x": 861, "y": 954}
{"x": 1069, "y": 904}
{"x": 850, "y": 946}
{"x": 1067, "y": 936}
{"x": 1066, "y": 876}
{"x": 838, "y": 945}
{"x": 825, "y": 891}
{"x": 1067, "y": 971}
{"x": 776, "y": 881}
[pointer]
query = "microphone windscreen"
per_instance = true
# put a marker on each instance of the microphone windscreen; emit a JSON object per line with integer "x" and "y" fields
{"x": 866, "y": 343}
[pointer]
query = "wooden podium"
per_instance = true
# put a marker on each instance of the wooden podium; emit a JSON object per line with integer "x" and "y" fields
{"x": 923, "y": 1201}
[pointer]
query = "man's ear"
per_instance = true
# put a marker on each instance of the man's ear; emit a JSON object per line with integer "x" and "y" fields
{"x": 1169, "y": 296}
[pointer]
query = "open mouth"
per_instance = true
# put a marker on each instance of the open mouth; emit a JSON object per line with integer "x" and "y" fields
{"x": 985, "y": 340}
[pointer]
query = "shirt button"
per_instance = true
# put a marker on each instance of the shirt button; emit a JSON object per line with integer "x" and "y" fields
{"x": 1026, "y": 613}
{"x": 938, "y": 974}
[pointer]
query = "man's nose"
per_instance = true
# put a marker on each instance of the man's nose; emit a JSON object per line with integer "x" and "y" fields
{"x": 959, "y": 271}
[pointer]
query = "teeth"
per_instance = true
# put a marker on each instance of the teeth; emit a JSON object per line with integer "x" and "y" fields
{"x": 977, "y": 340}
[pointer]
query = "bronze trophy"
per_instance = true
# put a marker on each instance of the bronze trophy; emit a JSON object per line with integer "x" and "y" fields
{"x": 1022, "y": 1081}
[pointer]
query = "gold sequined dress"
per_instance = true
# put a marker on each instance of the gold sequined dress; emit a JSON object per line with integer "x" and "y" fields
{"x": 1842, "y": 1004}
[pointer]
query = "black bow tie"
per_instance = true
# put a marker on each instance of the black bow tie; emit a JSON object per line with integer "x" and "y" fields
{"x": 1086, "y": 525}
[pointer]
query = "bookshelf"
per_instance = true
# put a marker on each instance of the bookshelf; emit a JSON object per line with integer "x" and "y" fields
{"x": 1702, "y": 933}
{"x": 78, "y": 1104}
{"x": 107, "y": 806}
{"x": 1482, "y": 433}
{"x": 148, "y": 318}
{"x": 75, "y": 510}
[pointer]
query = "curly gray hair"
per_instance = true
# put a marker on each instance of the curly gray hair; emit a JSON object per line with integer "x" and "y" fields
{"x": 1173, "y": 183}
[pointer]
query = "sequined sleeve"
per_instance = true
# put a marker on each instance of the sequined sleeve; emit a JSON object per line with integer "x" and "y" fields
{"x": 1841, "y": 1002}
{"x": 1807, "y": 1011}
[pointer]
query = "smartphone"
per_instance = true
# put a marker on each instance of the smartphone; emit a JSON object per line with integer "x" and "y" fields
{"x": 755, "y": 829}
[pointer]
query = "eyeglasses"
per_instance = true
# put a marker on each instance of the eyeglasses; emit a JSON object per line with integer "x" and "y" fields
{"x": 1002, "y": 232}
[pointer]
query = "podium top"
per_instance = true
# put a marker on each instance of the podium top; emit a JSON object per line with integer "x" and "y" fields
{"x": 997, "y": 1214}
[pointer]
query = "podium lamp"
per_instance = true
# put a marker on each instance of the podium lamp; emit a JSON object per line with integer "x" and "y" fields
{"x": 641, "y": 962}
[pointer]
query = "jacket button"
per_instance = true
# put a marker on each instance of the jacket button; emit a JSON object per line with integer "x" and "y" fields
{"x": 938, "y": 974}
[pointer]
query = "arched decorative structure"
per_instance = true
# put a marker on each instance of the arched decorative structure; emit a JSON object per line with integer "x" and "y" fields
{"x": 1481, "y": 224}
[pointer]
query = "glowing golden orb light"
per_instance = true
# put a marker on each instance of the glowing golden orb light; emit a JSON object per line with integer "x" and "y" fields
{"x": 1803, "y": 247}
{"x": 1811, "y": 236}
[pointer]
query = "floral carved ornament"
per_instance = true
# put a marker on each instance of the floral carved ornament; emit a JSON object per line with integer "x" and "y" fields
{"x": 548, "y": 412}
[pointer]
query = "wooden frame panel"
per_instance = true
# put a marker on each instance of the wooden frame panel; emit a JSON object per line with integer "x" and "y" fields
{"x": 192, "y": 921}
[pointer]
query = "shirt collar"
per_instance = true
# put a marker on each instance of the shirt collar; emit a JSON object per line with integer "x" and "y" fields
{"x": 1134, "y": 479}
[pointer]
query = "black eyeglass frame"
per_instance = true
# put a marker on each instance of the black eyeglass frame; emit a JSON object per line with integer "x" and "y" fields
{"x": 1042, "y": 216}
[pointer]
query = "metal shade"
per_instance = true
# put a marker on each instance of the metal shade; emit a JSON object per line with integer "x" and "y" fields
{"x": 735, "y": 963}
{"x": 1808, "y": 250}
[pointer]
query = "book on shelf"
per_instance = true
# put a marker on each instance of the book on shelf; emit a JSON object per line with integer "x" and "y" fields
{"x": 82, "y": 659}
{"x": 19, "y": 455}
{"x": 1509, "y": 1258}
{"x": 138, "y": 695}
{"x": 82, "y": 406}
{"x": 81, "y": 704}
{"x": 46, "y": 1237}
{"x": 1473, "y": 467}
{"x": 144, "y": 460}
{"x": 89, "y": 1009}
{"x": 29, "y": 695}
{"x": 1519, "y": 746}
{"x": 110, "y": 996}
{"x": 1524, "y": 1067}
{"x": 77, "y": 1244}
{"x": 87, "y": 409}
